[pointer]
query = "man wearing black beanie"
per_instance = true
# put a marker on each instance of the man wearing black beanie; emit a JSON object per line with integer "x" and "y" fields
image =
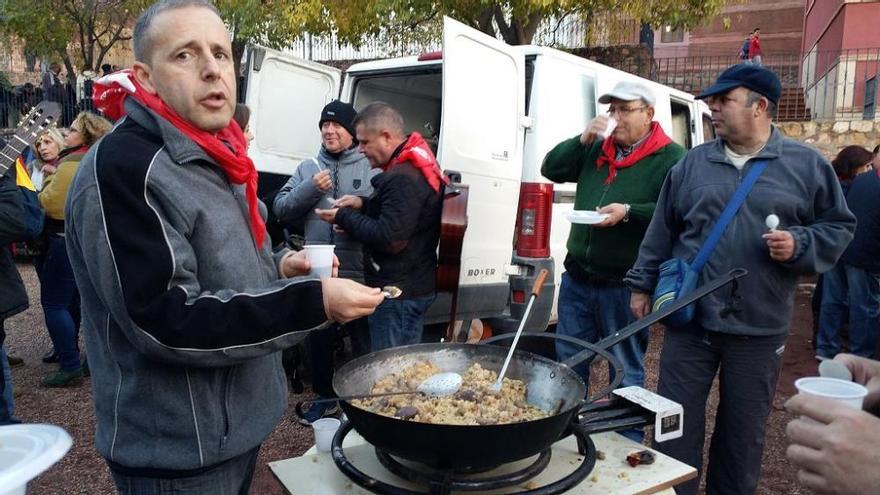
{"x": 338, "y": 170}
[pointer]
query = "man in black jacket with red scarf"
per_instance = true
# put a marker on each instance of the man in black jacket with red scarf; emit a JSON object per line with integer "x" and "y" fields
{"x": 399, "y": 225}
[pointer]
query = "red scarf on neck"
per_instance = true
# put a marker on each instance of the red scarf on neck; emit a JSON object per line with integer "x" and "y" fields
{"x": 416, "y": 151}
{"x": 656, "y": 139}
{"x": 109, "y": 93}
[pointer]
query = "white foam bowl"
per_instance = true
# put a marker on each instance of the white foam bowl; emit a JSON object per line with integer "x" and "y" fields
{"x": 26, "y": 450}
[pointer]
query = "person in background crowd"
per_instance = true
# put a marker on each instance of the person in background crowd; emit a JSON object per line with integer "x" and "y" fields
{"x": 340, "y": 169}
{"x": 851, "y": 290}
{"x": 738, "y": 332}
{"x": 242, "y": 117}
{"x": 48, "y": 145}
{"x": 399, "y": 224}
{"x": 744, "y": 49}
{"x": 106, "y": 69}
{"x": 58, "y": 291}
{"x": 50, "y": 148}
{"x": 620, "y": 175}
{"x": 836, "y": 447}
{"x": 53, "y": 88}
{"x": 185, "y": 307}
{"x": 848, "y": 163}
{"x": 13, "y": 296}
{"x": 755, "y": 53}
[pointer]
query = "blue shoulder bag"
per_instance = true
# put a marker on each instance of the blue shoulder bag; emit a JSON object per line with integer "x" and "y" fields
{"x": 677, "y": 277}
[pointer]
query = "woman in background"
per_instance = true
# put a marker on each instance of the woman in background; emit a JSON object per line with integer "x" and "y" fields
{"x": 58, "y": 294}
{"x": 48, "y": 148}
{"x": 851, "y": 290}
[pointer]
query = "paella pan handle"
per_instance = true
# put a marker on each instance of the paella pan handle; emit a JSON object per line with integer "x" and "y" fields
{"x": 590, "y": 351}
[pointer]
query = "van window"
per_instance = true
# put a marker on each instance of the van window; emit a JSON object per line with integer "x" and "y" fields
{"x": 417, "y": 96}
{"x": 708, "y": 129}
{"x": 681, "y": 124}
{"x": 530, "y": 77}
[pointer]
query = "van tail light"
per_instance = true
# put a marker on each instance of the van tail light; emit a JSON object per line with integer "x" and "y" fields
{"x": 533, "y": 220}
{"x": 430, "y": 56}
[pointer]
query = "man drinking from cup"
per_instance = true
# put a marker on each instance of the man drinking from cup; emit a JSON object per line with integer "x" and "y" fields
{"x": 619, "y": 175}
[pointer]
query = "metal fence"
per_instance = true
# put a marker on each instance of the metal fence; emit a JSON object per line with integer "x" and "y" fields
{"x": 569, "y": 31}
{"x": 819, "y": 85}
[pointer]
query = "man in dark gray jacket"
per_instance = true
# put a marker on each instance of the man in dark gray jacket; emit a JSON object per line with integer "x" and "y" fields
{"x": 741, "y": 329}
{"x": 339, "y": 169}
{"x": 185, "y": 308}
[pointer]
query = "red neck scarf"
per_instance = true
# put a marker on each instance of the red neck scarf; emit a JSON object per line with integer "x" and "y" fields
{"x": 656, "y": 139}
{"x": 416, "y": 151}
{"x": 109, "y": 93}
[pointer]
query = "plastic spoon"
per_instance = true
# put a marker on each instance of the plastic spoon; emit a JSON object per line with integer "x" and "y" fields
{"x": 439, "y": 385}
{"x": 536, "y": 289}
{"x": 772, "y": 221}
{"x": 391, "y": 292}
{"x": 832, "y": 369}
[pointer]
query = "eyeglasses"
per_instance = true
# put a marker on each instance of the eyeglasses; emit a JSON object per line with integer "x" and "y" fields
{"x": 623, "y": 110}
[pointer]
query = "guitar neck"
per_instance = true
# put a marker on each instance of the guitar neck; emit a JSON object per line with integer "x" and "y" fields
{"x": 9, "y": 154}
{"x": 38, "y": 119}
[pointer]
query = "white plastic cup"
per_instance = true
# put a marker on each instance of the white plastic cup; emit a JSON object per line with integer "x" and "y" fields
{"x": 320, "y": 258}
{"x": 850, "y": 393}
{"x": 612, "y": 123}
{"x": 324, "y": 429}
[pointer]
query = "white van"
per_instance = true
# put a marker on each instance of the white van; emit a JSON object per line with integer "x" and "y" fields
{"x": 503, "y": 108}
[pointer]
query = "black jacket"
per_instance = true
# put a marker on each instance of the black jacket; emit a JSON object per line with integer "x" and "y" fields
{"x": 13, "y": 297}
{"x": 399, "y": 226}
{"x": 862, "y": 199}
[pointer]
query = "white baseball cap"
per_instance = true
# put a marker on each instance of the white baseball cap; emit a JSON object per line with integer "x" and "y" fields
{"x": 629, "y": 91}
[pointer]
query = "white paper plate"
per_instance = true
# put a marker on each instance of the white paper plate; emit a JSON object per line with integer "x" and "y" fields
{"x": 588, "y": 217}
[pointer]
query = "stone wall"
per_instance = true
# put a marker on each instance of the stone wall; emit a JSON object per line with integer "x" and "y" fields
{"x": 635, "y": 59}
{"x": 830, "y": 137}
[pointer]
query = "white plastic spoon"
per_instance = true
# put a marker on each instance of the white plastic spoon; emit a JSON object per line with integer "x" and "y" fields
{"x": 832, "y": 369}
{"x": 772, "y": 221}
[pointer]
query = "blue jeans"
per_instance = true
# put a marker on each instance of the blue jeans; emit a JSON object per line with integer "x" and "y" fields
{"x": 592, "y": 312}
{"x": 847, "y": 286}
{"x": 398, "y": 322}
{"x": 60, "y": 300}
{"x": 232, "y": 477}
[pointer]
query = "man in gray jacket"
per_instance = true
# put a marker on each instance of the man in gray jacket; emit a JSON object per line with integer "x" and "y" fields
{"x": 185, "y": 308}
{"x": 339, "y": 169}
{"x": 741, "y": 329}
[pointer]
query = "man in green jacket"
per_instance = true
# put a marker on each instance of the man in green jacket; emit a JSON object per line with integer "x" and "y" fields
{"x": 620, "y": 176}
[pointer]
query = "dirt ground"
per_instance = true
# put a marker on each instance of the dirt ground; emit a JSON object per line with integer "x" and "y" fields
{"x": 83, "y": 471}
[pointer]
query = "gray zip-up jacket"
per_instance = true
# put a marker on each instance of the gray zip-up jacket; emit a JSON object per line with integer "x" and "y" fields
{"x": 183, "y": 315}
{"x": 798, "y": 185}
{"x": 351, "y": 174}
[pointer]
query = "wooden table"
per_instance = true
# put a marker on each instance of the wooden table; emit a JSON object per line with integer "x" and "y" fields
{"x": 315, "y": 473}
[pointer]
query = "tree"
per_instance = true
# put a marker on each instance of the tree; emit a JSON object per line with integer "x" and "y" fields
{"x": 516, "y": 21}
{"x": 79, "y": 32}
{"x": 272, "y": 23}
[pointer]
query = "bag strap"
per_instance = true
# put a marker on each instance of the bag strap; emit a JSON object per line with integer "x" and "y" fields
{"x": 739, "y": 197}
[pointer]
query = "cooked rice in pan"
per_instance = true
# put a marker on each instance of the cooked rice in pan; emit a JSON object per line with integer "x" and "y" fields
{"x": 473, "y": 404}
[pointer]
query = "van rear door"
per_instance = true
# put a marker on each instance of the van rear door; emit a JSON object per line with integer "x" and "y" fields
{"x": 285, "y": 95}
{"x": 481, "y": 142}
